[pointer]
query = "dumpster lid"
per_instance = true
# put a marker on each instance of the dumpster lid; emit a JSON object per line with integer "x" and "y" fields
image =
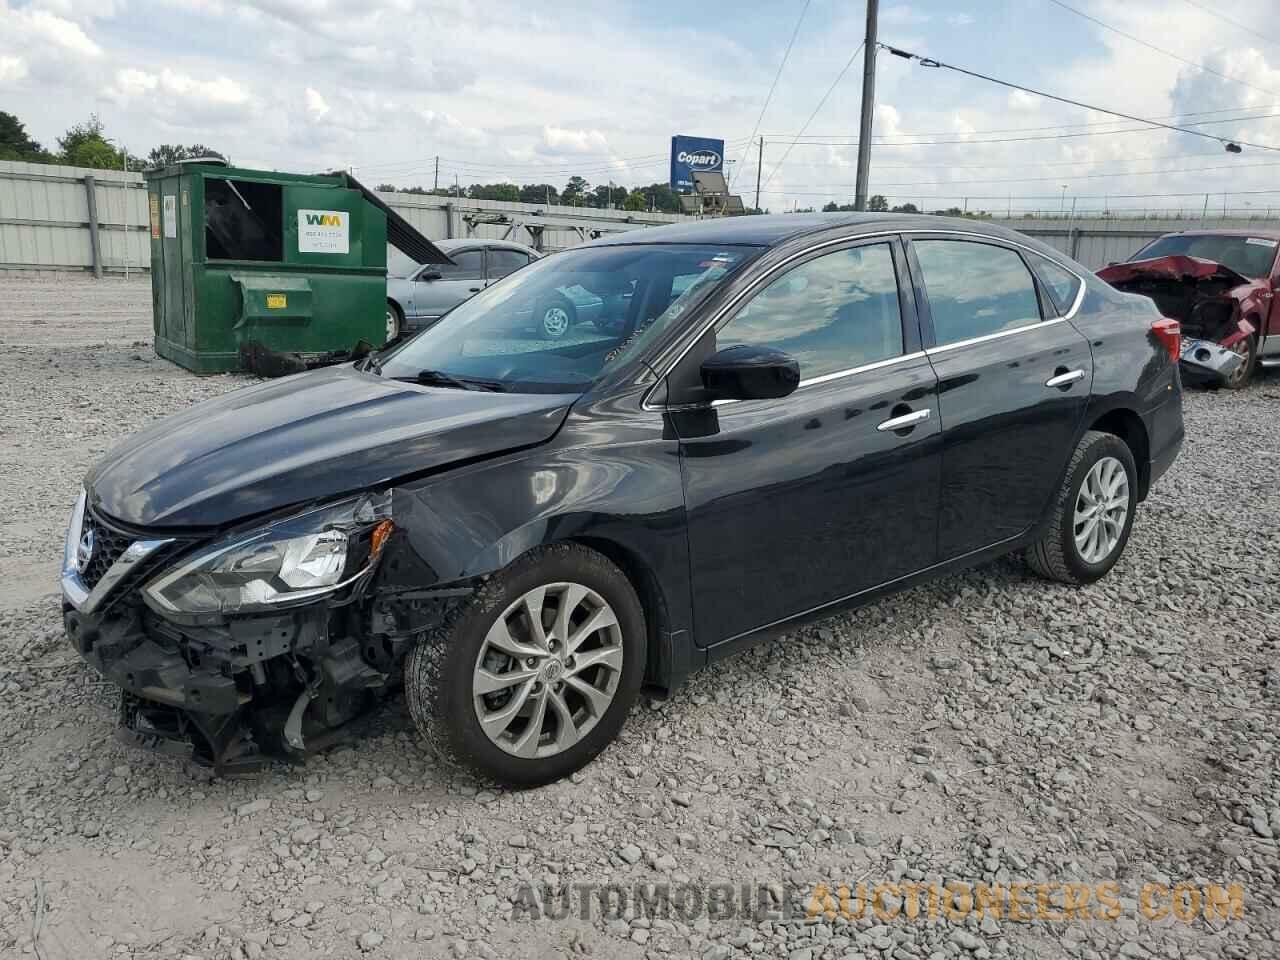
{"x": 400, "y": 233}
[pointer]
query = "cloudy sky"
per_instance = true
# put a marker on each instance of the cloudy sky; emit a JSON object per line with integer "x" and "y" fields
{"x": 502, "y": 89}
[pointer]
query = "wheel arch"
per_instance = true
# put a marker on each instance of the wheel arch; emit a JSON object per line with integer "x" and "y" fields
{"x": 1124, "y": 423}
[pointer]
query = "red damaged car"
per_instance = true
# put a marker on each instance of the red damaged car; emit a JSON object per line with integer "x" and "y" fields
{"x": 1220, "y": 286}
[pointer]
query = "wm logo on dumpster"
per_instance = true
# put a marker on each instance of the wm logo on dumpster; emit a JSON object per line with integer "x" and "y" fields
{"x": 324, "y": 219}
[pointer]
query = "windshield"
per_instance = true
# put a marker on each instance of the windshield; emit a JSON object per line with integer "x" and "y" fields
{"x": 557, "y": 325}
{"x": 1248, "y": 256}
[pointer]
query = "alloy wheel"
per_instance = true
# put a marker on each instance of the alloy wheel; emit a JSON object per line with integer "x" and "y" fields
{"x": 555, "y": 321}
{"x": 548, "y": 670}
{"x": 1102, "y": 507}
{"x": 1244, "y": 349}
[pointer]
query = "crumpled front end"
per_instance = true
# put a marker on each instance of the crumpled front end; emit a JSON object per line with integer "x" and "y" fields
{"x": 232, "y": 688}
{"x": 1206, "y": 298}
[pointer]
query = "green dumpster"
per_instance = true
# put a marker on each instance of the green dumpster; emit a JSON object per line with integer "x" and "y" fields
{"x": 249, "y": 262}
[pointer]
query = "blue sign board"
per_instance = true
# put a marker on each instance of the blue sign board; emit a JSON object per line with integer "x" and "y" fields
{"x": 690, "y": 155}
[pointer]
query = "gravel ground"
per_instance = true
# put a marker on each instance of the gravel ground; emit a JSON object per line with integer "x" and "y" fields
{"x": 987, "y": 728}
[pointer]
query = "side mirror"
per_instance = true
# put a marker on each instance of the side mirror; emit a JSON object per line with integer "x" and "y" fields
{"x": 750, "y": 373}
{"x": 428, "y": 275}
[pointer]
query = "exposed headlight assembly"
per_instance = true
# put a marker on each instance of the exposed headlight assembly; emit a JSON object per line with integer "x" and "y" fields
{"x": 290, "y": 561}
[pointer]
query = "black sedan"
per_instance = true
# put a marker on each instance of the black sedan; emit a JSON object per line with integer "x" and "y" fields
{"x": 796, "y": 415}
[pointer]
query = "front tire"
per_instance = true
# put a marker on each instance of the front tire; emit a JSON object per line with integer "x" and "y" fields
{"x": 535, "y": 674}
{"x": 1248, "y": 349}
{"x": 1092, "y": 515}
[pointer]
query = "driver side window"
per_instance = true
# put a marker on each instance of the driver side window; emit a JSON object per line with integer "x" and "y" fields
{"x": 467, "y": 265}
{"x": 832, "y": 313}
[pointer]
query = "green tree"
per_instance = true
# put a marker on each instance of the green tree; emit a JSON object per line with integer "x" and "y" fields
{"x": 575, "y": 191}
{"x": 661, "y": 197}
{"x": 877, "y": 203}
{"x": 539, "y": 193}
{"x": 493, "y": 191}
{"x": 16, "y": 143}
{"x": 906, "y": 208}
{"x": 635, "y": 201}
{"x": 168, "y": 153}
{"x": 85, "y": 146}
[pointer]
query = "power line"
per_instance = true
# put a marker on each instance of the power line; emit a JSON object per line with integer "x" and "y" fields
{"x": 834, "y": 83}
{"x": 938, "y": 64}
{"x": 773, "y": 86}
{"x": 1235, "y": 23}
{"x": 1161, "y": 50}
{"x": 1054, "y": 136}
{"x": 1068, "y": 126}
{"x": 1057, "y": 196}
{"x": 1067, "y": 176}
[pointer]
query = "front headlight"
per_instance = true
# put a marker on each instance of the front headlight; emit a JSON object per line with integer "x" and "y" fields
{"x": 290, "y": 561}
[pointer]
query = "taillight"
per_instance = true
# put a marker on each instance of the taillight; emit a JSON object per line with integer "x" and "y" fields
{"x": 1169, "y": 333}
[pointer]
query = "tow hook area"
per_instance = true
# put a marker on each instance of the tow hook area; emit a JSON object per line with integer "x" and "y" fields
{"x": 1207, "y": 361}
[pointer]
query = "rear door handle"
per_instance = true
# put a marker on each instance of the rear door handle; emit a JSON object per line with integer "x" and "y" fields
{"x": 904, "y": 422}
{"x": 1062, "y": 379}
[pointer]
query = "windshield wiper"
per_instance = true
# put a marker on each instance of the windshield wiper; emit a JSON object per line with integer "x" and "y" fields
{"x": 438, "y": 378}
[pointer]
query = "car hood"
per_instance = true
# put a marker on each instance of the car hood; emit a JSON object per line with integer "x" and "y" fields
{"x": 1177, "y": 268}
{"x": 307, "y": 437}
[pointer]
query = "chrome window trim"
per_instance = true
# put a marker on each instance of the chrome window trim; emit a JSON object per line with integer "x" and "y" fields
{"x": 835, "y": 242}
{"x": 999, "y": 334}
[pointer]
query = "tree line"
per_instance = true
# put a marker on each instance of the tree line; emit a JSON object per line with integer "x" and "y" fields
{"x": 577, "y": 192}
{"x": 87, "y": 145}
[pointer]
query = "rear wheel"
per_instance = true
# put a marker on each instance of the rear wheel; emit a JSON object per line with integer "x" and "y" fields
{"x": 1248, "y": 350}
{"x": 1092, "y": 515}
{"x": 535, "y": 675}
{"x": 395, "y": 321}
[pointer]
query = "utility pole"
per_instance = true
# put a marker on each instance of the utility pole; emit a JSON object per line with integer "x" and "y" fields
{"x": 868, "y": 106}
{"x": 436, "y": 185}
{"x": 759, "y": 168}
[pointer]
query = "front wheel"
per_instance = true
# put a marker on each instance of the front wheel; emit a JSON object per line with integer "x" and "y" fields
{"x": 1247, "y": 348}
{"x": 1092, "y": 515}
{"x": 531, "y": 678}
{"x": 554, "y": 317}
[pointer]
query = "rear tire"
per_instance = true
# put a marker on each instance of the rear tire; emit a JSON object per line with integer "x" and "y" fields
{"x": 1247, "y": 348}
{"x": 476, "y": 704}
{"x": 1087, "y": 533}
{"x": 395, "y": 321}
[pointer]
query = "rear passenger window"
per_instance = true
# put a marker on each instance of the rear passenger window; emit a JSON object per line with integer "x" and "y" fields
{"x": 832, "y": 313}
{"x": 1062, "y": 283}
{"x": 975, "y": 289}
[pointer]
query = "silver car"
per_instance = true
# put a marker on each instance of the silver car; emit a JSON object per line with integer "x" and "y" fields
{"x": 417, "y": 301}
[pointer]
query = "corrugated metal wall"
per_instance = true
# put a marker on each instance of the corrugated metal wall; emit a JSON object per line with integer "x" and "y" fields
{"x": 44, "y": 222}
{"x": 1095, "y": 242}
{"x": 44, "y": 219}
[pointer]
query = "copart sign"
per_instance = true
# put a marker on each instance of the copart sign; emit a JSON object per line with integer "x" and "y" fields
{"x": 690, "y": 155}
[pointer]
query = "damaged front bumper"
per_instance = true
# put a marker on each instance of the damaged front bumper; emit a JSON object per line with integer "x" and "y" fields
{"x": 234, "y": 692}
{"x": 1204, "y": 361}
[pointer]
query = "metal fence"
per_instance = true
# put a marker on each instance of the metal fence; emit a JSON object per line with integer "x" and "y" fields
{"x": 1097, "y": 241}
{"x": 56, "y": 219}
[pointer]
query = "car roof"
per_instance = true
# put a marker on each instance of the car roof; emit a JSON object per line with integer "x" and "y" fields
{"x": 457, "y": 243}
{"x": 768, "y": 230}
{"x": 1235, "y": 232}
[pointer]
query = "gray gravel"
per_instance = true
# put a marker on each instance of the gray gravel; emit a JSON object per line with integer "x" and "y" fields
{"x": 988, "y": 727}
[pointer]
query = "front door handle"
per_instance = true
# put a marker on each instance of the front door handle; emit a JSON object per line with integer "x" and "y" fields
{"x": 1064, "y": 379}
{"x": 904, "y": 422}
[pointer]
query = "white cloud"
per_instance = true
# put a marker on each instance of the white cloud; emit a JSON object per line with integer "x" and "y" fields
{"x": 559, "y": 139}
{"x": 1022, "y": 101}
{"x": 960, "y": 20}
{"x": 316, "y": 104}
{"x": 61, "y": 32}
{"x": 903, "y": 15}
{"x": 134, "y": 83}
{"x": 12, "y": 69}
